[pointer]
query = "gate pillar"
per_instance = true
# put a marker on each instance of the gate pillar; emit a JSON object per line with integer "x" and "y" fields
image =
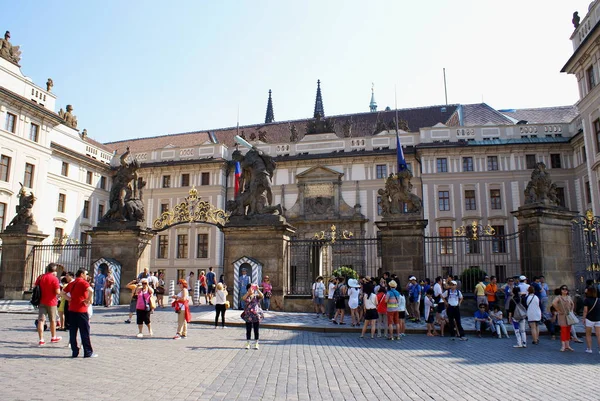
{"x": 402, "y": 246}
{"x": 17, "y": 243}
{"x": 265, "y": 240}
{"x": 546, "y": 242}
{"x": 126, "y": 243}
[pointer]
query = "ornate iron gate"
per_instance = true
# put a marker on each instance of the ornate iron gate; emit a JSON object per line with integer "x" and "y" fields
{"x": 310, "y": 258}
{"x": 586, "y": 255}
{"x": 70, "y": 257}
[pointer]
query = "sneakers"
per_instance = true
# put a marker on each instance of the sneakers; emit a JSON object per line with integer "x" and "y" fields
{"x": 139, "y": 335}
{"x": 247, "y": 344}
{"x": 94, "y": 355}
{"x": 256, "y": 345}
{"x": 177, "y": 337}
{"x": 518, "y": 346}
{"x": 589, "y": 351}
{"x": 183, "y": 337}
{"x": 42, "y": 342}
{"x": 463, "y": 338}
{"x": 128, "y": 321}
{"x": 402, "y": 335}
{"x": 334, "y": 322}
{"x": 55, "y": 339}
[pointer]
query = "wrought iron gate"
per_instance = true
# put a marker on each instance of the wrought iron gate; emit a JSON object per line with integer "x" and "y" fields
{"x": 310, "y": 258}
{"x": 586, "y": 255}
{"x": 70, "y": 257}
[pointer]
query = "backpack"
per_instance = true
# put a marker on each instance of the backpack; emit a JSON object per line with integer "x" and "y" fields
{"x": 337, "y": 293}
{"x": 36, "y": 296}
{"x": 520, "y": 312}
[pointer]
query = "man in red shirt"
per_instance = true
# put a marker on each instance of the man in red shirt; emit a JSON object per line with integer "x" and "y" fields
{"x": 50, "y": 288}
{"x": 79, "y": 293}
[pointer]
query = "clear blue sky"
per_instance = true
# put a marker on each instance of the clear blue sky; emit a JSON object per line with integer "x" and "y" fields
{"x": 143, "y": 68}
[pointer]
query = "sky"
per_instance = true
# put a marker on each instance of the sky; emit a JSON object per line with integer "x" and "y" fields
{"x": 141, "y": 68}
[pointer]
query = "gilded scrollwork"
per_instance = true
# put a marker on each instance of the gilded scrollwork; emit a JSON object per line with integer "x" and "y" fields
{"x": 192, "y": 210}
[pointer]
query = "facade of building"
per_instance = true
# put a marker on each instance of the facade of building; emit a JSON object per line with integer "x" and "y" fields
{"x": 470, "y": 162}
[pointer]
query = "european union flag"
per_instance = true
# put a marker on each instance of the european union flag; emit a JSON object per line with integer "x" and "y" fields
{"x": 400, "y": 155}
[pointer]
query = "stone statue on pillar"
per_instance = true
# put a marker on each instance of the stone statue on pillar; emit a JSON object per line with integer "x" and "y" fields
{"x": 397, "y": 197}
{"x": 541, "y": 189}
{"x": 24, "y": 215}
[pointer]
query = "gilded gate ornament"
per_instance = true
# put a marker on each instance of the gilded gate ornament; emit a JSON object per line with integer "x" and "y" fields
{"x": 192, "y": 210}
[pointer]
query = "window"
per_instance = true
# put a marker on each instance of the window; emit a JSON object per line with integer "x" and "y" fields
{"x": 4, "y": 168}
{"x": 500, "y": 271}
{"x": 166, "y": 181}
{"x": 65, "y": 169}
{"x": 555, "y": 160}
{"x": 88, "y": 177}
{"x": 496, "y": 201}
{"x": 381, "y": 171}
{"x": 498, "y": 240}
{"x": 442, "y": 165}
{"x": 10, "y": 122}
{"x": 446, "y": 271}
{"x": 530, "y": 161}
{"x": 58, "y": 235}
{"x": 34, "y": 132}
{"x": 444, "y": 200}
{"x": 591, "y": 78}
{"x": 560, "y": 194}
{"x": 470, "y": 202}
{"x": 467, "y": 164}
{"x": 2, "y": 215}
{"x": 205, "y": 179}
{"x": 86, "y": 209}
{"x": 182, "y": 246}
{"x": 164, "y": 207}
{"x": 163, "y": 246}
{"x": 379, "y": 208}
{"x": 102, "y": 182}
{"x": 583, "y": 153}
{"x": 28, "y": 178}
{"x": 181, "y": 274}
{"x": 492, "y": 163}
{"x": 588, "y": 192}
{"x": 185, "y": 180}
{"x": 100, "y": 211}
{"x": 202, "y": 250}
{"x": 446, "y": 247}
{"x": 83, "y": 239}
{"x": 62, "y": 199}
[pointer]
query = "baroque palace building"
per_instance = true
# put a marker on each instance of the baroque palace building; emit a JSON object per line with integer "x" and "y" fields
{"x": 469, "y": 161}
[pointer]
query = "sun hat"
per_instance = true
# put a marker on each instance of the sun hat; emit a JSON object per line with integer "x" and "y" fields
{"x": 353, "y": 283}
{"x": 393, "y": 284}
{"x": 412, "y": 278}
{"x": 453, "y": 282}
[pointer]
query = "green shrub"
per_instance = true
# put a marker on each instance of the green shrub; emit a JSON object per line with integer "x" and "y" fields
{"x": 344, "y": 271}
{"x": 470, "y": 277}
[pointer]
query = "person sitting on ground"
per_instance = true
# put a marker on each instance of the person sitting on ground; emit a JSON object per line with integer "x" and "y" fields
{"x": 482, "y": 319}
{"x": 498, "y": 322}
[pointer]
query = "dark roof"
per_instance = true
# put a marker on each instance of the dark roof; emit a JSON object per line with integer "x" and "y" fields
{"x": 362, "y": 125}
{"x": 482, "y": 114}
{"x": 544, "y": 115}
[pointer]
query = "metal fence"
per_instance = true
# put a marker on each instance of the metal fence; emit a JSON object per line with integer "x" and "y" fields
{"x": 471, "y": 259}
{"x": 69, "y": 257}
{"x": 309, "y": 259}
{"x": 586, "y": 255}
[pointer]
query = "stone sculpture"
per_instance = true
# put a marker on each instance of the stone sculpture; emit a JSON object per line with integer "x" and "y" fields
{"x": 24, "y": 215}
{"x": 293, "y": 133}
{"x": 397, "y": 198}
{"x": 256, "y": 196}
{"x": 49, "y": 84}
{"x": 541, "y": 189}
{"x": 8, "y": 51}
{"x": 576, "y": 19}
{"x": 68, "y": 116}
{"x": 125, "y": 199}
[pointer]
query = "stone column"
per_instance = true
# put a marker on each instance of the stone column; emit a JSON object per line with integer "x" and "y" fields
{"x": 264, "y": 238}
{"x": 546, "y": 243}
{"x": 127, "y": 244}
{"x": 16, "y": 275}
{"x": 402, "y": 246}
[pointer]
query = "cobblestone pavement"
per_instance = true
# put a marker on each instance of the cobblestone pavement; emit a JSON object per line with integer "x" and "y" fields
{"x": 290, "y": 365}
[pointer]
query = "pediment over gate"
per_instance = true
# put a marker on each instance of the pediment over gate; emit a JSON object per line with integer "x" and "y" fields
{"x": 319, "y": 173}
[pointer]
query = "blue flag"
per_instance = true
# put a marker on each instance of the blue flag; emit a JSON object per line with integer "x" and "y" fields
{"x": 400, "y": 155}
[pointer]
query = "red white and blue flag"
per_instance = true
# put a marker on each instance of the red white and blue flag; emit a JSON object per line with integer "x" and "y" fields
{"x": 400, "y": 155}
{"x": 238, "y": 175}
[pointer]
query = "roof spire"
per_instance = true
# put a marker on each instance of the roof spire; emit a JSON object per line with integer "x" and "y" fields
{"x": 270, "y": 117}
{"x": 319, "y": 102}
{"x": 373, "y": 104}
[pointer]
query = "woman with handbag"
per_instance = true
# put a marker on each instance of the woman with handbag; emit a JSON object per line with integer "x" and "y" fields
{"x": 591, "y": 317}
{"x": 252, "y": 314}
{"x": 181, "y": 303}
{"x": 220, "y": 301}
{"x": 267, "y": 291}
{"x": 143, "y": 307}
{"x": 564, "y": 306}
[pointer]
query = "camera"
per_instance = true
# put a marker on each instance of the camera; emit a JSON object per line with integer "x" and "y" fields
{"x": 147, "y": 308}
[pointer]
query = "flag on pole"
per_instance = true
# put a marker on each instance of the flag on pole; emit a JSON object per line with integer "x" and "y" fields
{"x": 400, "y": 155}
{"x": 238, "y": 175}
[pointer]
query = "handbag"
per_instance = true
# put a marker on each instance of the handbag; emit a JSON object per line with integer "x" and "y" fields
{"x": 227, "y": 305}
{"x": 113, "y": 290}
{"x": 572, "y": 318}
{"x": 152, "y": 303}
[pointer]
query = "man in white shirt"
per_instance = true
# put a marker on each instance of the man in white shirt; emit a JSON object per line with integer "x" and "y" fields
{"x": 318, "y": 293}
{"x": 523, "y": 286}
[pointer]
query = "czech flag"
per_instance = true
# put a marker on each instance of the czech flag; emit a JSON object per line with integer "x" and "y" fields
{"x": 238, "y": 174}
{"x": 400, "y": 155}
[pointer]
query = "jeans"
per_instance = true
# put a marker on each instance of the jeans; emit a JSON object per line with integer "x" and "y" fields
{"x": 249, "y": 327}
{"x": 500, "y": 328}
{"x": 382, "y": 323}
{"x": 266, "y": 303}
{"x": 481, "y": 326}
{"x": 80, "y": 321}
{"x": 220, "y": 310}
{"x": 520, "y": 331}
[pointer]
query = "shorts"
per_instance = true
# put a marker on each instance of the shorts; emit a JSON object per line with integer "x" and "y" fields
{"x": 371, "y": 314}
{"x": 44, "y": 310}
{"x": 202, "y": 291}
{"x": 319, "y": 301}
{"x": 340, "y": 304}
{"x": 393, "y": 318}
{"x": 590, "y": 324}
{"x": 132, "y": 305}
{"x": 431, "y": 318}
{"x": 143, "y": 316}
{"x": 402, "y": 314}
{"x": 211, "y": 289}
